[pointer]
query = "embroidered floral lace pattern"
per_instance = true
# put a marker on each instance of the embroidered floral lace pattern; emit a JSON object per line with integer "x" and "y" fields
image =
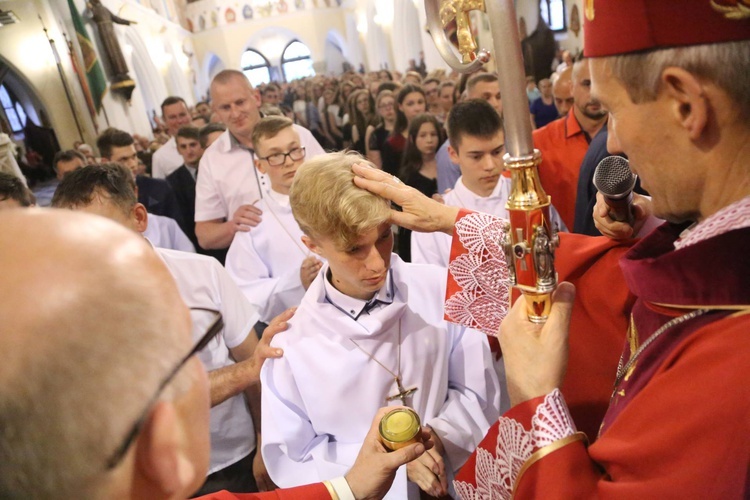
{"x": 495, "y": 476}
{"x": 482, "y": 274}
{"x": 735, "y": 216}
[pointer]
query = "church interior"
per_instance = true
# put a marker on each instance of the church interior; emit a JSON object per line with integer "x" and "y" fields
{"x": 175, "y": 47}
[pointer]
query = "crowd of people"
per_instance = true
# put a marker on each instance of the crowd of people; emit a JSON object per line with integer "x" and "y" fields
{"x": 301, "y": 240}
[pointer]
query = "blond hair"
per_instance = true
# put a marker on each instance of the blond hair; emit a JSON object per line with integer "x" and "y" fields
{"x": 269, "y": 127}
{"x": 326, "y": 202}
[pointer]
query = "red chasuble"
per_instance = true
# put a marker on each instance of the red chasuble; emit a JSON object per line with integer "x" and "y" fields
{"x": 679, "y": 422}
{"x": 316, "y": 491}
{"x": 477, "y": 296}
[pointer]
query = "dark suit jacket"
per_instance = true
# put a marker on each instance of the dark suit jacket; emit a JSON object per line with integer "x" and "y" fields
{"x": 183, "y": 185}
{"x": 158, "y": 198}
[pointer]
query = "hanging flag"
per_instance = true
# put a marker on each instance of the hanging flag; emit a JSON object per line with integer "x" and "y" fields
{"x": 78, "y": 68}
{"x": 94, "y": 74}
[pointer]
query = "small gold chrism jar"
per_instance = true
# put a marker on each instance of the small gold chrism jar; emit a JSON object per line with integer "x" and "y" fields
{"x": 400, "y": 427}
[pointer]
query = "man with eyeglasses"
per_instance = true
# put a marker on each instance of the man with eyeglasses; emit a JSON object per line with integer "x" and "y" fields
{"x": 270, "y": 264}
{"x": 101, "y": 395}
{"x": 108, "y": 190}
{"x": 229, "y": 184}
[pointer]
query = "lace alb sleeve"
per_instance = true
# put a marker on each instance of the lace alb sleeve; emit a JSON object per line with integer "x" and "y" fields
{"x": 496, "y": 473}
{"x": 478, "y": 293}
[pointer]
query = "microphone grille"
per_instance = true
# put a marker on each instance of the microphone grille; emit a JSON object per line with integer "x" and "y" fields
{"x": 613, "y": 177}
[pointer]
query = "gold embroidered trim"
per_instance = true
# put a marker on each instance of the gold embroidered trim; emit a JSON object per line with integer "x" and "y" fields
{"x": 543, "y": 452}
{"x": 738, "y": 307}
{"x": 331, "y": 491}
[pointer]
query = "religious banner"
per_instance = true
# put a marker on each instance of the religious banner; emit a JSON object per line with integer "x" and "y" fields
{"x": 94, "y": 74}
{"x": 78, "y": 68}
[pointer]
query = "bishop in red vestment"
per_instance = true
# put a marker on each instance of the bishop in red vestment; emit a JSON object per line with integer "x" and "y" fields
{"x": 678, "y": 421}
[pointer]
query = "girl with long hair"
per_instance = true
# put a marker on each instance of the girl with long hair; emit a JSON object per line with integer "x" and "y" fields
{"x": 377, "y": 134}
{"x": 411, "y": 102}
{"x": 419, "y": 166}
{"x": 361, "y": 112}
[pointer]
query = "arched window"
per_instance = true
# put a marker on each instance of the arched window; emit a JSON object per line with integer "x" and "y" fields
{"x": 553, "y": 13}
{"x": 296, "y": 61}
{"x": 256, "y": 67}
{"x": 12, "y": 110}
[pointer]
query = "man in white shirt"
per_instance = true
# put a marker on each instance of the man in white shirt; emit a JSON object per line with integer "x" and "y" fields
{"x": 369, "y": 331}
{"x": 167, "y": 159}
{"x": 271, "y": 265}
{"x": 228, "y": 185}
{"x": 109, "y": 191}
{"x": 476, "y": 143}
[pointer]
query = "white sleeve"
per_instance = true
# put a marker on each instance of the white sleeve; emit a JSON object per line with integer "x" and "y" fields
{"x": 159, "y": 165}
{"x": 271, "y": 294}
{"x": 293, "y": 452}
{"x": 473, "y": 396}
{"x": 238, "y": 314}
{"x": 430, "y": 248}
{"x": 311, "y": 144}
{"x": 209, "y": 204}
{"x": 179, "y": 240}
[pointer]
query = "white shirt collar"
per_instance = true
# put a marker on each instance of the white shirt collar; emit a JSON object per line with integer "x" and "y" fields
{"x": 281, "y": 199}
{"x": 466, "y": 194}
{"x": 352, "y": 306}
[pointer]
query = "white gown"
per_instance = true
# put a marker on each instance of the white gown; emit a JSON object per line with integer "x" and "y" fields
{"x": 265, "y": 262}
{"x": 319, "y": 399}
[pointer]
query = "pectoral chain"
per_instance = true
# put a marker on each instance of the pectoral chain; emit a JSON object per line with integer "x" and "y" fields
{"x": 402, "y": 394}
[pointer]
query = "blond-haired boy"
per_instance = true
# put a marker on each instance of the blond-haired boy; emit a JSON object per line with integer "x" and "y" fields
{"x": 369, "y": 331}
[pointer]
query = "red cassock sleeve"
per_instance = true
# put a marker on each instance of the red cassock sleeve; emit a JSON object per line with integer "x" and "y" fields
{"x": 599, "y": 321}
{"x": 685, "y": 435}
{"x": 316, "y": 491}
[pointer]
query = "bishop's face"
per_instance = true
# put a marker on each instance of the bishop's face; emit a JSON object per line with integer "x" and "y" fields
{"x": 650, "y": 135}
{"x": 361, "y": 269}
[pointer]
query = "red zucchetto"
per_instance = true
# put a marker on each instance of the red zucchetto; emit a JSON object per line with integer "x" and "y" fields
{"x": 614, "y": 27}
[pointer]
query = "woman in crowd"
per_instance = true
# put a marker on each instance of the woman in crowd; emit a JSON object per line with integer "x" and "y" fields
{"x": 376, "y": 135}
{"x": 361, "y": 113}
{"x": 411, "y": 102}
{"x": 419, "y": 167}
{"x": 330, "y": 115}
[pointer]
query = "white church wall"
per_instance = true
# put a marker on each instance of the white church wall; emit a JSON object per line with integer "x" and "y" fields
{"x": 27, "y": 51}
{"x": 270, "y": 35}
{"x": 154, "y": 45}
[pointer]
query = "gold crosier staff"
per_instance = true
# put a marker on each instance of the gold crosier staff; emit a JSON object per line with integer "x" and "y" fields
{"x": 530, "y": 240}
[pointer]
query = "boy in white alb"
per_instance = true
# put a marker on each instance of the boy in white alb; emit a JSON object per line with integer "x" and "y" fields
{"x": 369, "y": 331}
{"x": 477, "y": 145}
{"x": 271, "y": 265}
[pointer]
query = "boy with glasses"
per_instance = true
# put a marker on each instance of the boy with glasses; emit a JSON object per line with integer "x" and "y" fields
{"x": 270, "y": 264}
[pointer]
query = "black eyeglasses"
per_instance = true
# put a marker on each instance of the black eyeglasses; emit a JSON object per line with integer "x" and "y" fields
{"x": 278, "y": 159}
{"x": 216, "y": 326}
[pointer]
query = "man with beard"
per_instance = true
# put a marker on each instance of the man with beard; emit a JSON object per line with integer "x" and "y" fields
{"x": 564, "y": 143}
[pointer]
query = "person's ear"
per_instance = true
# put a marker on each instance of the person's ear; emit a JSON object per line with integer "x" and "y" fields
{"x": 140, "y": 217}
{"x": 689, "y": 105}
{"x": 453, "y": 154}
{"x": 161, "y": 459}
{"x": 311, "y": 245}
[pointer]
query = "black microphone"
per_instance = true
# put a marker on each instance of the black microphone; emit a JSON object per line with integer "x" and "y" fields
{"x": 614, "y": 180}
